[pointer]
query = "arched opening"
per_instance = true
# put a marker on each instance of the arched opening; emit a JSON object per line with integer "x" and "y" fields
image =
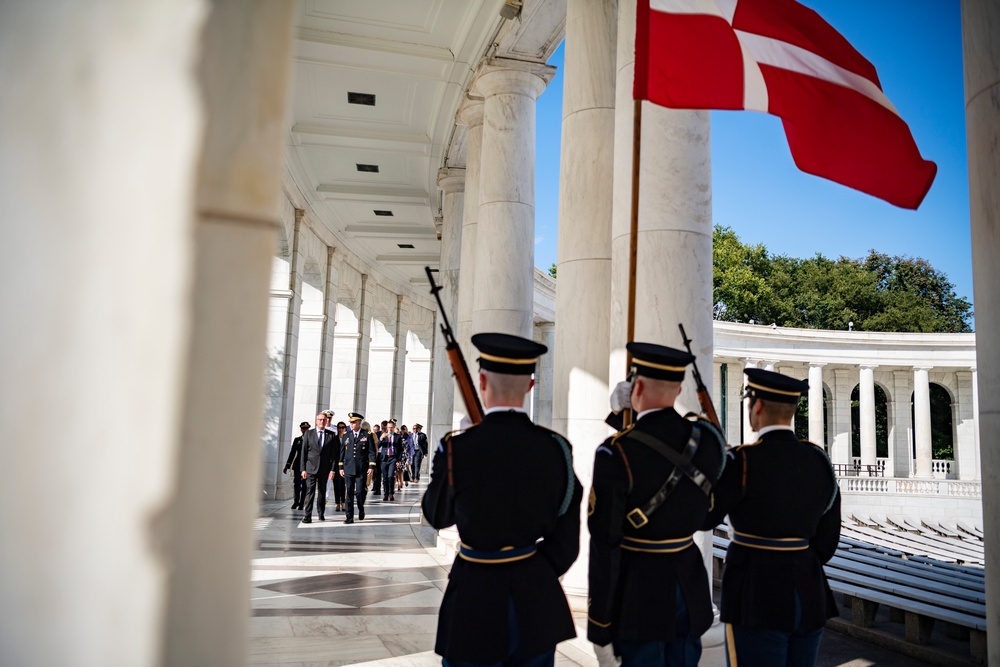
{"x": 942, "y": 425}
{"x": 881, "y": 422}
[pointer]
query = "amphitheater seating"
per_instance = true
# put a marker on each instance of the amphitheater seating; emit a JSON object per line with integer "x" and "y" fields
{"x": 923, "y": 571}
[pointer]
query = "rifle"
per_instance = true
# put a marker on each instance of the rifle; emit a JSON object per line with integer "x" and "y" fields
{"x": 703, "y": 398}
{"x": 458, "y": 365}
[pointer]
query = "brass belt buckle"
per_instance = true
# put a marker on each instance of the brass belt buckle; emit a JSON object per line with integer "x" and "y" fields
{"x": 637, "y": 518}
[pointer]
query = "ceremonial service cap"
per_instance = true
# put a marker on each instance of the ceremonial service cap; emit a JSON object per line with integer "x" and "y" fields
{"x": 771, "y": 386}
{"x": 659, "y": 362}
{"x": 391, "y": 420}
{"x": 305, "y": 425}
{"x": 355, "y": 416}
{"x": 504, "y": 353}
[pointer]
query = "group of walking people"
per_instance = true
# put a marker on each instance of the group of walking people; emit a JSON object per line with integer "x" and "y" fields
{"x": 656, "y": 483}
{"x": 352, "y": 458}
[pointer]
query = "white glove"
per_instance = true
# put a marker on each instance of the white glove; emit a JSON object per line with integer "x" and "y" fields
{"x": 621, "y": 397}
{"x": 606, "y": 656}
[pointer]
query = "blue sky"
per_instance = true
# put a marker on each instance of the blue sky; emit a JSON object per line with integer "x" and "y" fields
{"x": 916, "y": 46}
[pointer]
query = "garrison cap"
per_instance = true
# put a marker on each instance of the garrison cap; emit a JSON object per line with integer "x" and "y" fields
{"x": 771, "y": 386}
{"x": 305, "y": 425}
{"x": 504, "y": 353}
{"x": 659, "y": 362}
{"x": 355, "y": 417}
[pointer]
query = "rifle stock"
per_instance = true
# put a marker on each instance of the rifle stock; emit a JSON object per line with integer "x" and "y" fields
{"x": 461, "y": 370}
{"x": 704, "y": 399}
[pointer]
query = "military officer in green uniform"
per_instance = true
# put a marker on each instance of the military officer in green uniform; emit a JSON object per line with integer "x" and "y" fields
{"x": 504, "y": 604}
{"x": 650, "y": 596}
{"x": 784, "y": 510}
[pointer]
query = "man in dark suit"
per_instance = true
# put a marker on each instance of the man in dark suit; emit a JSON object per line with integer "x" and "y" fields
{"x": 504, "y": 603}
{"x": 319, "y": 452}
{"x": 294, "y": 462}
{"x": 391, "y": 449}
{"x": 783, "y": 503}
{"x": 419, "y": 450}
{"x": 357, "y": 463}
{"x": 649, "y": 592}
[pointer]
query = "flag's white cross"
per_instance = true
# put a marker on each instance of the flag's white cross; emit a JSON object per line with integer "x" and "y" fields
{"x": 758, "y": 49}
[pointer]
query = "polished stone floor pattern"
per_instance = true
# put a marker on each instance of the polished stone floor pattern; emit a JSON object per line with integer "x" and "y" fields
{"x": 368, "y": 593}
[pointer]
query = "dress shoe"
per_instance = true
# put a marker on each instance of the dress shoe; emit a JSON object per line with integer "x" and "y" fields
{"x": 361, "y": 514}
{"x": 392, "y": 498}
{"x": 307, "y": 520}
{"x": 348, "y": 520}
{"x": 322, "y": 517}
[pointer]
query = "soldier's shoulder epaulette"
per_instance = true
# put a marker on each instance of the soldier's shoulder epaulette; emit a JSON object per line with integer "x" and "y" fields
{"x": 621, "y": 434}
{"x": 747, "y": 444}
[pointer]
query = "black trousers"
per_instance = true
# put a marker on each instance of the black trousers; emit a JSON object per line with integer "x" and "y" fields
{"x": 316, "y": 491}
{"x": 338, "y": 488}
{"x": 389, "y": 477}
{"x": 355, "y": 489}
{"x": 299, "y": 485}
{"x": 377, "y": 481}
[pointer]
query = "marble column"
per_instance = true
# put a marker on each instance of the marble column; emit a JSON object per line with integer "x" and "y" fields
{"x": 840, "y": 431}
{"x": 975, "y": 421}
{"x": 965, "y": 444}
{"x": 673, "y": 272}
{"x": 505, "y": 240}
{"x": 403, "y": 306}
{"x": 452, "y": 183}
{"x": 900, "y": 431}
{"x": 471, "y": 115}
{"x": 734, "y": 405}
{"x": 749, "y": 435}
{"x": 981, "y": 58}
{"x": 586, "y": 197}
{"x": 866, "y": 414}
{"x": 332, "y": 282}
{"x": 310, "y": 348}
{"x": 545, "y": 333}
{"x": 351, "y": 342}
{"x": 817, "y": 411}
{"x": 922, "y": 423}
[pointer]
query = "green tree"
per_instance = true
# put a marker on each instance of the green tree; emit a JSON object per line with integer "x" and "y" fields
{"x": 552, "y": 270}
{"x": 876, "y": 293}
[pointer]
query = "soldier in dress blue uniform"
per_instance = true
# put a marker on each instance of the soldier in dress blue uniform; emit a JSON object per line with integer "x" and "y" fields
{"x": 357, "y": 463}
{"x": 784, "y": 509}
{"x": 504, "y": 604}
{"x": 649, "y": 592}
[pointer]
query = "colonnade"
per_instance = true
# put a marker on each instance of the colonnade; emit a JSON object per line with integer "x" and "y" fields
{"x": 339, "y": 337}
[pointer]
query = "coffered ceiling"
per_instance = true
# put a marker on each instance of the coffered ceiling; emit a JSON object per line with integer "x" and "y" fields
{"x": 376, "y": 87}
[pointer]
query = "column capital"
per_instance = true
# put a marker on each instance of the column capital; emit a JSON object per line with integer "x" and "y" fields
{"x": 817, "y": 364}
{"x": 470, "y": 111}
{"x": 922, "y": 368}
{"x": 867, "y": 367}
{"x": 749, "y": 362}
{"x": 451, "y": 179}
{"x": 501, "y": 75}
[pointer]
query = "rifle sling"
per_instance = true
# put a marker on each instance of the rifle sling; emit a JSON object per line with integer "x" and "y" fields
{"x": 683, "y": 466}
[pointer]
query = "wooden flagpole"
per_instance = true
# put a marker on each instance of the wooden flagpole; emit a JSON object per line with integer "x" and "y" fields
{"x": 633, "y": 242}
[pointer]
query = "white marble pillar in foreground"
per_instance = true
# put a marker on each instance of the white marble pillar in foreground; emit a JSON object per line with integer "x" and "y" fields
{"x": 471, "y": 115}
{"x": 674, "y": 266}
{"x": 148, "y": 339}
{"x": 452, "y": 184}
{"x": 817, "y": 411}
{"x": 866, "y": 414}
{"x": 505, "y": 239}
{"x": 922, "y": 423}
{"x": 981, "y": 51}
{"x": 583, "y": 293}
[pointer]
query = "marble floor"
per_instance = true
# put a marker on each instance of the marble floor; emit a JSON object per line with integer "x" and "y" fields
{"x": 328, "y": 593}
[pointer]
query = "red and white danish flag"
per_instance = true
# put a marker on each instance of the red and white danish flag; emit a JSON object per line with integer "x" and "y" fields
{"x": 781, "y": 58}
